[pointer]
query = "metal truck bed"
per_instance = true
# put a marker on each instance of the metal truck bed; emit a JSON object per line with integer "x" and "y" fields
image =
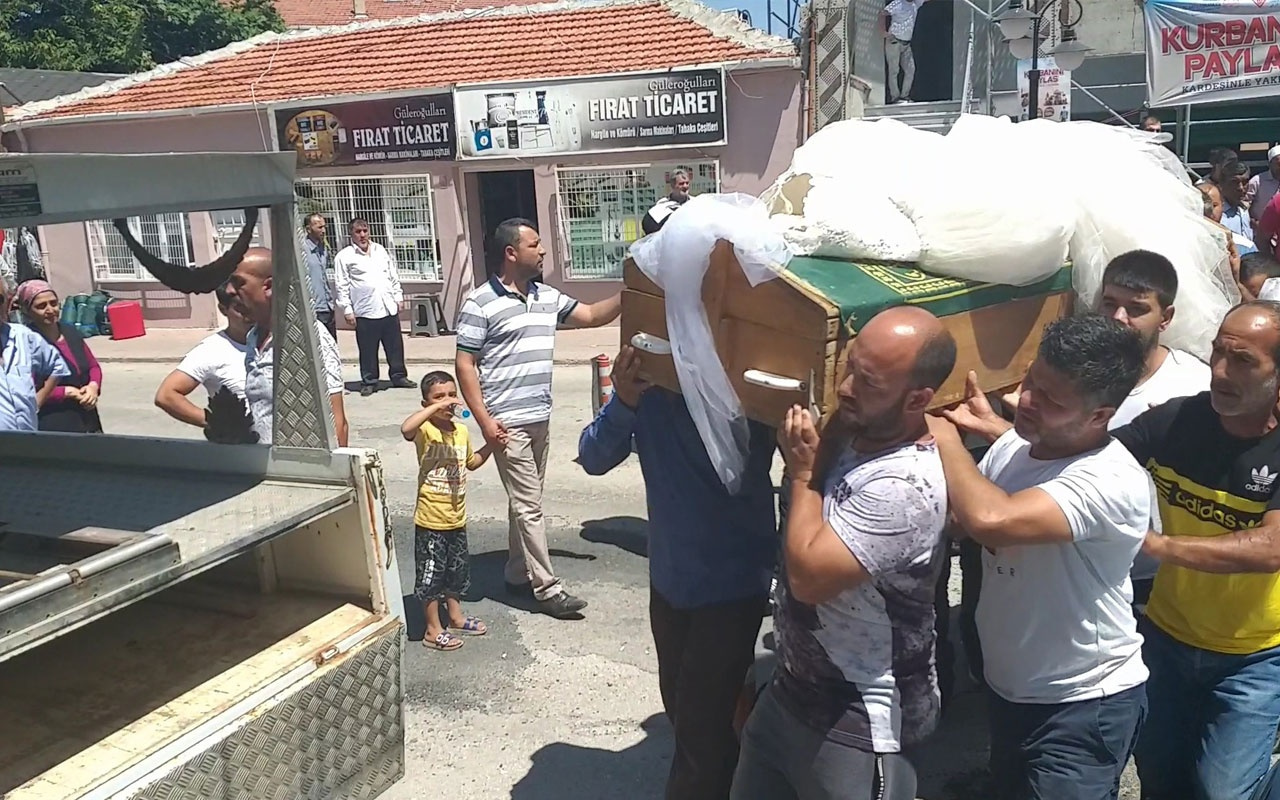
{"x": 81, "y": 536}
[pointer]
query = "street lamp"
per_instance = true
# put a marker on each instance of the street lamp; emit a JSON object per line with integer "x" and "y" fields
{"x": 1021, "y": 28}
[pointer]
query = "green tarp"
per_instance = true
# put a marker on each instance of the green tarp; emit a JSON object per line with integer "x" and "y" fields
{"x": 863, "y": 290}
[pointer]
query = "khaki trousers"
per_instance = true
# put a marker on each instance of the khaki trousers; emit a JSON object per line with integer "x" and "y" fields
{"x": 522, "y": 466}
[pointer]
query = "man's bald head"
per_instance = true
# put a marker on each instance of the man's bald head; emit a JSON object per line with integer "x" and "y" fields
{"x": 922, "y": 345}
{"x": 257, "y": 261}
{"x": 250, "y": 286}
{"x": 896, "y": 363}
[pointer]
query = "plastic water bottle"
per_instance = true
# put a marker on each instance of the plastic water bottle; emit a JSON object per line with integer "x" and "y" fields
{"x": 460, "y": 412}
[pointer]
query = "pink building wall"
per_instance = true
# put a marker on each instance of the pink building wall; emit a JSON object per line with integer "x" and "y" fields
{"x": 763, "y": 117}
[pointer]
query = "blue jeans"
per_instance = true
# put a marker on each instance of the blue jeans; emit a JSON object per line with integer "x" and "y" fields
{"x": 1212, "y": 723}
{"x": 1067, "y": 751}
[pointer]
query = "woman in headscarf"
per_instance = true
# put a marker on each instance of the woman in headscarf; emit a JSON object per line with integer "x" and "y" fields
{"x": 73, "y": 405}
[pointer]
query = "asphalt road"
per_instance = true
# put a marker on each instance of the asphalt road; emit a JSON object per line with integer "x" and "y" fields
{"x": 541, "y": 709}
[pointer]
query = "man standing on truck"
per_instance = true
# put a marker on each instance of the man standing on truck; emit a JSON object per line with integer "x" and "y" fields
{"x": 506, "y": 340}
{"x": 901, "y": 15}
{"x": 29, "y": 369}
{"x": 250, "y": 287}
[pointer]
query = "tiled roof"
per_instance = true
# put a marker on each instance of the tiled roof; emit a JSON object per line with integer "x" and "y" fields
{"x": 552, "y": 40}
{"x": 310, "y": 13}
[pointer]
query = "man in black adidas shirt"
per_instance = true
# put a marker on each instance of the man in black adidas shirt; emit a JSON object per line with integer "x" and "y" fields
{"x": 1213, "y": 622}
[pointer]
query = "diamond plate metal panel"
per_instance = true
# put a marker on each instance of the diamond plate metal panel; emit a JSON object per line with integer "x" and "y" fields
{"x": 341, "y": 736}
{"x": 303, "y": 417}
{"x": 829, "y": 27}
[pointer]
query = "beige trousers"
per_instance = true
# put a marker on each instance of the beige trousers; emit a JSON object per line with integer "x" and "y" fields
{"x": 522, "y": 466}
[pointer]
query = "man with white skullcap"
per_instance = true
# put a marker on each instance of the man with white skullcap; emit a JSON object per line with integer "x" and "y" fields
{"x": 1263, "y": 186}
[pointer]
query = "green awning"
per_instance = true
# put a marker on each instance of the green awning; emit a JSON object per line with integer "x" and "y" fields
{"x": 861, "y": 291}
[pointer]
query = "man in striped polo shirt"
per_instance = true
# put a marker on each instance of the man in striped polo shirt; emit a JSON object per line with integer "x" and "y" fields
{"x": 506, "y": 341}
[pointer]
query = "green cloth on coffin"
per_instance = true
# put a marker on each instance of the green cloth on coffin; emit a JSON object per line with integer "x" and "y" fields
{"x": 863, "y": 290}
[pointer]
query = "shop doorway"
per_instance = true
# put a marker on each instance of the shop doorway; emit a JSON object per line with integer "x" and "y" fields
{"x": 504, "y": 195}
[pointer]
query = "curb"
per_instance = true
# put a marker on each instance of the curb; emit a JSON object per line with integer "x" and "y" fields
{"x": 576, "y": 361}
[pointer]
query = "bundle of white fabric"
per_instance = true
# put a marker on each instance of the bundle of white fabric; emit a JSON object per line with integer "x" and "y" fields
{"x": 1002, "y": 203}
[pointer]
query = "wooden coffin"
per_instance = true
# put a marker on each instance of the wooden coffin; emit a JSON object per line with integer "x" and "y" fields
{"x": 796, "y": 328}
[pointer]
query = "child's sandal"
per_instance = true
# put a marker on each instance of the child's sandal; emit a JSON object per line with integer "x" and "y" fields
{"x": 444, "y": 641}
{"x": 471, "y": 626}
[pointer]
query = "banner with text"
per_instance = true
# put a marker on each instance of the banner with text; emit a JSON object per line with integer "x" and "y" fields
{"x": 666, "y": 109}
{"x": 1054, "y": 101}
{"x": 1204, "y": 51}
{"x": 417, "y": 128}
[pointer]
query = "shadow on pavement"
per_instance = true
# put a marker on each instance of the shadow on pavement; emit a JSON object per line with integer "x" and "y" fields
{"x": 637, "y": 773}
{"x": 487, "y": 581}
{"x": 626, "y": 533}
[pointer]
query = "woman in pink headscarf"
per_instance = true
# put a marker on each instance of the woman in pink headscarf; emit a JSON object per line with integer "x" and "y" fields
{"x": 73, "y": 405}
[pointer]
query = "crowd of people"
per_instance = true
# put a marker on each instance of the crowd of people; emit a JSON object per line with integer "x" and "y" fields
{"x": 1127, "y": 535}
{"x": 1119, "y": 529}
{"x": 1248, "y": 207}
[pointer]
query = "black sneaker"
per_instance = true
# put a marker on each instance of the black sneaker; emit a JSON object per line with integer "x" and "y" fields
{"x": 562, "y": 606}
{"x": 404, "y": 383}
{"x": 367, "y": 391}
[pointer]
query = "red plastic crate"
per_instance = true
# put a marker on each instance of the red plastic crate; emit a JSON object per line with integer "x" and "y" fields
{"x": 126, "y": 320}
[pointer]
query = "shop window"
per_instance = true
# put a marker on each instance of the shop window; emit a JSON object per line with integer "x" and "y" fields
{"x": 227, "y": 226}
{"x": 399, "y": 211}
{"x": 166, "y": 235}
{"x": 600, "y": 211}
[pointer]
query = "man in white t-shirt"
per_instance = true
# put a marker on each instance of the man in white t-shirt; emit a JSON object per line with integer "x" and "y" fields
{"x": 1138, "y": 290}
{"x": 217, "y": 363}
{"x": 1061, "y": 510}
{"x": 250, "y": 288}
{"x": 897, "y": 47}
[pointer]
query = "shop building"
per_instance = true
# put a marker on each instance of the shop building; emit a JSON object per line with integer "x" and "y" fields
{"x": 435, "y": 128}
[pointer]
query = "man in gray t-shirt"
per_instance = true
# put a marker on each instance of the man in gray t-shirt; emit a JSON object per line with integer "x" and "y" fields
{"x": 854, "y": 606}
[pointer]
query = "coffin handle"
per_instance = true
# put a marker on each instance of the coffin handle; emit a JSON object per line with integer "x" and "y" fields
{"x": 651, "y": 344}
{"x": 768, "y": 380}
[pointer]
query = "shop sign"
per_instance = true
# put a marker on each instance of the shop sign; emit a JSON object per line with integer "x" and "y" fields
{"x": 1055, "y": 90}
{"x": 662, "y": 109}
{"x": 19, "y": 192}
{"x": 1204, "y": 51}
{"x": 386, "y": 130}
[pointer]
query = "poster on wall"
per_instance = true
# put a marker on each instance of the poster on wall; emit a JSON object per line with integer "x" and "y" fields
{"x": 416, "y": 128}
{"x": 666, "y": 109}
{"x": 1206, "y": 51}
{"x": 1055, "y": 90}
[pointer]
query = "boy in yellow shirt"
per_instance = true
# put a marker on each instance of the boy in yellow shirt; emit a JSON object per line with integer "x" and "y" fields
{"x": 441, "y": 560}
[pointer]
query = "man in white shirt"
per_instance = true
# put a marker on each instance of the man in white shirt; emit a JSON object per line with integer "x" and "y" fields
{"x": 250, "y": 289}
{"x": 1061, "y": 510}
{"x": 897, "y": 47}
{"x": 371, "y": 299}
{"x": 1263, "y": 186}
{"x": 217, "y": 364}
{"x": 1138, "y": 290}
